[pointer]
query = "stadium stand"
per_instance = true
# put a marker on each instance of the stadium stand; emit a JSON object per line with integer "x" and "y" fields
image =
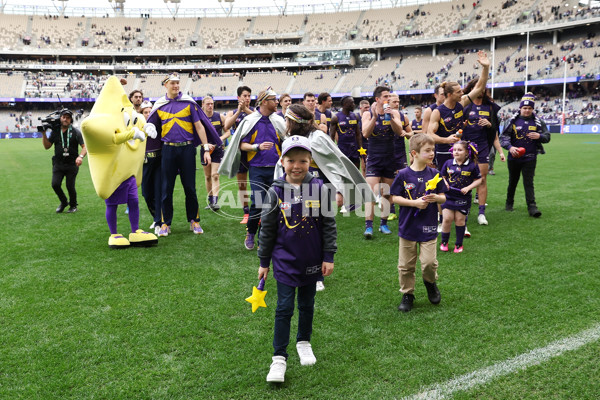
{"x": 43, "y": 56}
{"x": 327, "y": 29}
{"x": 279, "y": 81}
{"x": 11, "y": 84}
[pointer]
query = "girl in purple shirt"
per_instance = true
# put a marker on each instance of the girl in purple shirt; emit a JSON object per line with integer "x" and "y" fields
{"x": 461, "y": 175}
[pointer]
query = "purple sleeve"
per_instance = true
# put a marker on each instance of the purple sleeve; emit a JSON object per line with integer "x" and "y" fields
{"x": 155, "y": 120}
{"x": 441, "y": 185}
{"x": 476, "y": 172}
{"x": 265, "y": 262}
{"x": 397, "y": 188}
{"x": 444, "y": 172}
{"x": 328, "y": 256}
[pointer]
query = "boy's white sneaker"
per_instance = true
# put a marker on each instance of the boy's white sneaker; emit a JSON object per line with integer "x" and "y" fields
{"x": 481, "y": 220}
{"x": 277, "y": 371}
{"x": 306, "y": 354}
{"x": 320, "y": 286}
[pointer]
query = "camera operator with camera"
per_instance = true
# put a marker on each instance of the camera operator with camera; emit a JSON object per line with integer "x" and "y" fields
{"x": 58, "y": 130}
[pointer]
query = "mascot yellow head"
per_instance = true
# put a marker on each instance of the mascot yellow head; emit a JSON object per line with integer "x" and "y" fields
{"x": 107, "y": 132}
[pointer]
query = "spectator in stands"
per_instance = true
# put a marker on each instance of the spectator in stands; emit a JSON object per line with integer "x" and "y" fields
{"x": 66, "y": 161}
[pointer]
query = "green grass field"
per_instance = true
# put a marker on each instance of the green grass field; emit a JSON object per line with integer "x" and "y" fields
{"x": 78, "y": 320}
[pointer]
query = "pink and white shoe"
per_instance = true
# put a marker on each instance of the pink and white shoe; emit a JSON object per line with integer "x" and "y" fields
{"x": 457, "y": 249}
{"x": 444, "y": 247}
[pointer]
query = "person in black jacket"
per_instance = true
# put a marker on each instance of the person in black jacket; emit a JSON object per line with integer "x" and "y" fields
{"x": 523, "y": 137}
{"x": 67, "y": 159}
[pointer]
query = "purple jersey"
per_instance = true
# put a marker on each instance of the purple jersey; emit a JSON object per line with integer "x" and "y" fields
{"x": 416, "y": 226}
{"x": 263, "y": 131}
{"x": 451, "y": 120}
{"x": 459, "y": 176}
{"x": 347, "y": 134}
{"x": 175, "y": 120}
{"x": 323, "y": 118}
{"x": 215, "y": 120}
{"x": 298, "y": 249}
{"x": 381, "y": 141}
{"x": 473, "y": 132}
{"x": 518, "y": 138}
{"x": 416, "y": 125}
{"x": 400, "y": 145}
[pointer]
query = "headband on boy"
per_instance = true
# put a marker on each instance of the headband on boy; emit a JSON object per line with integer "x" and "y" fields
{"x": 268, "y": 92}
{"x": 295, "y": 117}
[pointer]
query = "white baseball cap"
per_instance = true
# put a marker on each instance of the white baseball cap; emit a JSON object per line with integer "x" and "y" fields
{"x": 294, "y": 142}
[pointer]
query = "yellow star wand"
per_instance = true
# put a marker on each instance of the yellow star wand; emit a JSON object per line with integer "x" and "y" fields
{"x": 432, "y": 183}
{"x": 258, "y": 296}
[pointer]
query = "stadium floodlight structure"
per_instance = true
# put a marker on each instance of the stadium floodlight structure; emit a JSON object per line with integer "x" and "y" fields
{"x": 175, "y": 11}
{"x": 118, "y": 8}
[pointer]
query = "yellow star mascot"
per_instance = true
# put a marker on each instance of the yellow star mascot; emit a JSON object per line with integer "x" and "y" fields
{"x": 114, "y": 135}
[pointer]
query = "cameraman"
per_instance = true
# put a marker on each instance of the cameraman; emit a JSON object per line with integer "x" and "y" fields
{"x": 66, "y": 160}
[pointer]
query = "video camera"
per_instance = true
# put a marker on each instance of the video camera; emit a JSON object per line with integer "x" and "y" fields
{"x": 50, "y": 121}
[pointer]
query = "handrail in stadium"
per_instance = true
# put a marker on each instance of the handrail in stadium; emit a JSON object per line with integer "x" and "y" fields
{"x": 291, "y": 9}
{"x": 346, "y": 45}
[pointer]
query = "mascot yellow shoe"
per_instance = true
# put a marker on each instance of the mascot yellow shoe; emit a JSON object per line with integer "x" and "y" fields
{"x": 114, "y": 135}
{"x": 140, "y": 238}
{"x": 117, "y": 241}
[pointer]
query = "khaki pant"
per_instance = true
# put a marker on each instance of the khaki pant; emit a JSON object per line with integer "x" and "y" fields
{"x": 407, "y": 260}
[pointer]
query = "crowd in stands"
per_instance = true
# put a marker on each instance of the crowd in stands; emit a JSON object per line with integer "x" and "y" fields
{"x": 120, "y": 36}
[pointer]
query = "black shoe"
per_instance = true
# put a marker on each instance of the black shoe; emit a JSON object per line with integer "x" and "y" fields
{"x": 61, "y": 208}
{"x": 433, "y": 293}
{"x": 509, "y": 207}
{"x": 407, "y": 302}
{"x": 72, "y": 209}
{"x": 215, "y": 207}
{"x": 534, "y": 212}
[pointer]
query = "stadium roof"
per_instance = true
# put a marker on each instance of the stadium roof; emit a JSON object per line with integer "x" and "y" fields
{"x": 210, "y": 8}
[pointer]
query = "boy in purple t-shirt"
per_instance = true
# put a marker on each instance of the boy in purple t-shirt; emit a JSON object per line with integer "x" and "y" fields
{"x": 300, "y": 240}
{"x": 417, "y": 220}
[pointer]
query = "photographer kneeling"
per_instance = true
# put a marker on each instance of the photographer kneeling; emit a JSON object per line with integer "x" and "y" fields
{"x": 66, "y": 160}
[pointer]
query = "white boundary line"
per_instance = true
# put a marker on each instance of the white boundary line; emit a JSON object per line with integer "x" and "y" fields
{"x": 520, "y": 362}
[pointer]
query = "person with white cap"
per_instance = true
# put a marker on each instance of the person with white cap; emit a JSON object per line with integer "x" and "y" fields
{"x": 260, "y": 135}
{"x": 183, "y": 126}
{"x": 66, "y": 161}
{"x": 299, "y": 237}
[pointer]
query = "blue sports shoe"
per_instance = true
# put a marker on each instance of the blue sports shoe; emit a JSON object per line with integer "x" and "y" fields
{"x": 368, "y": 233}
{"x": 385, "y": 230}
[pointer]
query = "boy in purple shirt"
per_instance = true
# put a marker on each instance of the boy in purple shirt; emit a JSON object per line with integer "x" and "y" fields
{"x": 299, "y": 238}
{"x": 417, "y": 220}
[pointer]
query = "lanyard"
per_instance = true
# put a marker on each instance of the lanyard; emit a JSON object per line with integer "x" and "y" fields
{"x": 62, "y": 138}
